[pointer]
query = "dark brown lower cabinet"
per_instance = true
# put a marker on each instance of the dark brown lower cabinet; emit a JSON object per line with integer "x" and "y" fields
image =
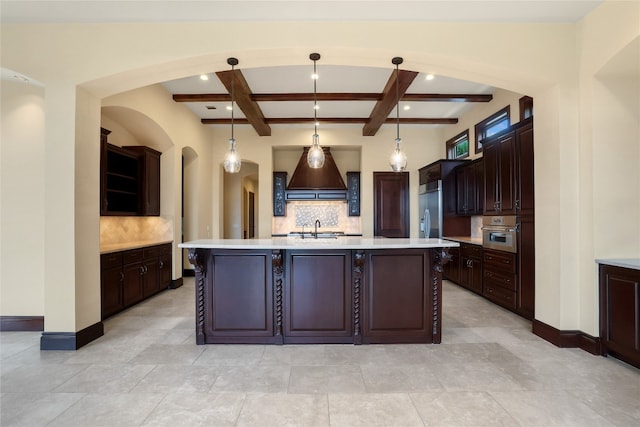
{"x": 127, "y": 277}
{"x": 451, "y": 270}
{"x": 499, "y": 281}
{"x": 318, "y": 297}
{"x": 397, "y": 297}
{"x": 620, "y": 313}
{"x": 238, "y": 304}
{"x": 471, "y": 267}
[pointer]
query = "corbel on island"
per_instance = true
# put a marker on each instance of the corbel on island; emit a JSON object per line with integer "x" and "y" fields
{"x": 288, "y": 290}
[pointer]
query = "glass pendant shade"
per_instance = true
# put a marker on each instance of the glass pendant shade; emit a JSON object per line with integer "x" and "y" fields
{"x": 315, "y": 155}
{"x": 398, "y": 159}
{"x": 232, "y": 160}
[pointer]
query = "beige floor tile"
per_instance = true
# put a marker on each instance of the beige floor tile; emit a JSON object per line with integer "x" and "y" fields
{"x": 196, "y": 410}
{"x": 264, "y": 410}
{"x": 373, "y": 410}
{"x": 248, "y": 379}
{"x": 178, "y": 379}
{"x": 461, "y": 409}
{"x": 326, "y": 379}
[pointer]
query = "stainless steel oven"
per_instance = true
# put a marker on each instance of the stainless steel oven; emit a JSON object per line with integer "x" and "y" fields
{"x": 500, "y": 233}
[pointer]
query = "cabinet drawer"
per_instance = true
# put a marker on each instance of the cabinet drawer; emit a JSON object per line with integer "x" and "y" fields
{"x": 111, "y": 260}
{"x": 505, "y": 262}
{"x": 507, "y": 281}
{"x": 471, "y": 250}
{"x": 130, "y": 257}
{"x": 500, "y": 295}
{"x": 151, "y": 252}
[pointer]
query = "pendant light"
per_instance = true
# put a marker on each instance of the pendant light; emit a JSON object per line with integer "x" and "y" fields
{"x": 232, "y": 160}
{"x": 398, "y": 159}
{"x": 315, "y": 155}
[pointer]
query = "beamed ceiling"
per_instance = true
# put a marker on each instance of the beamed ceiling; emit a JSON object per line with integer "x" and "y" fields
{"x": 346, "y": 96}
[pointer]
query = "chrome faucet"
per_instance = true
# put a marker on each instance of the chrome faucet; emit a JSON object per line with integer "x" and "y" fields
{"x": 317, "y": 224}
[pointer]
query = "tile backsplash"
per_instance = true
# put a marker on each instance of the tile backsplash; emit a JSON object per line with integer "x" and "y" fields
{"x": 125, "y": 229}
{"x": 333, "y": 216}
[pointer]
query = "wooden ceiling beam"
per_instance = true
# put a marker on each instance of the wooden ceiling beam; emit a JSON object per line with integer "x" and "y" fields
{"x": 342, "y": 120}
{"x": 334, "y": 96}
{"x": 242, "y": 95}
{"x": 402, "y": 80}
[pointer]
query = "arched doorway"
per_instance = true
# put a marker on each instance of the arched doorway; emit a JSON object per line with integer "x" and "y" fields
{"x": 241, "y": 195}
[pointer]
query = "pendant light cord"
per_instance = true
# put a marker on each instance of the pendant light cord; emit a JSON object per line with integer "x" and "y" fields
{"x": 315, "y": 100}
{"x": 233, "y": 86}
{"x": 397, "y": 104}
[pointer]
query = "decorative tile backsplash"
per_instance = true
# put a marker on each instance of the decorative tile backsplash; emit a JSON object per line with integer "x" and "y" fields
{"x": 306, "y": 215}
{"x": 333, "y": 216}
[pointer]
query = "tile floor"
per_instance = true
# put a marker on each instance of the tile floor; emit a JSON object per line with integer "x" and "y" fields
{"x": 147, "y": 371}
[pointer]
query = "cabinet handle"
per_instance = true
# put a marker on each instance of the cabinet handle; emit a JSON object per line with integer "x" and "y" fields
{"x": 517, "y": 203}
{"x": 161, "y": 264}
{"x": 122, "y": 276}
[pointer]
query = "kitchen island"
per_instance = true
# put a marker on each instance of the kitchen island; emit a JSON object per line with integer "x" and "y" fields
{"x": 328, "y": 290}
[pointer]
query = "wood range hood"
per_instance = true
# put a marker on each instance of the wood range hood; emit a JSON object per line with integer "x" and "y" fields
{"x": 324, "y": 183}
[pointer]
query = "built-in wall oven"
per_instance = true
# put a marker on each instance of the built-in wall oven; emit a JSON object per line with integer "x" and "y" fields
{"x": 500, "y": 233}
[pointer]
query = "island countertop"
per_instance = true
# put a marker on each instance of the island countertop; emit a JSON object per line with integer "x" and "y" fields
{"x": 346, "y": 242}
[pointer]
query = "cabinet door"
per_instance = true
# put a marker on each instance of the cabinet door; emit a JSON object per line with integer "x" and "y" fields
{"x": 620, "y": 313}
{"x": 149, "y": 179}
{"x": 451, "y": 270}
{"x": 111, "y": 280}
{"x": 397, "y": 301}
{"x": 151, "y": 277}
{"x": 132, "y": 283}
{"x": 507, "y": 176}
{"x": 165, "y": 271}
{"x": 353, "y": 193}
{"x": 524, "y": 166}
{"x": 318, "y": 297}
{"x": 462, "y": 207}
{"x": 475, "y": 274}
{"x": 239, "y": 299}
{"x": 391, "y": 204}
{"x": 478, "y": 190}
{"x": 526, "y": 267}
{"x": 491, "y": 158}
{"x": 279, "y": 187}
{"x": 151, "y": 182}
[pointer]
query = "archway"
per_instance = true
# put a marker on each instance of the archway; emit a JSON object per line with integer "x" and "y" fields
{"x": 241, "y": 195}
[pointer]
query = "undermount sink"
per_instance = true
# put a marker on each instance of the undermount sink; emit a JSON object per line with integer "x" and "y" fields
{"x": 312, "y": 235}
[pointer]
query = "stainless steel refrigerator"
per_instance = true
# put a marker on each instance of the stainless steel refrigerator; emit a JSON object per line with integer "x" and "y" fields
{"x": 430, "y": 203}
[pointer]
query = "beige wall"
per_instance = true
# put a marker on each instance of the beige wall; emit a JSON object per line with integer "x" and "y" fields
{"x": 557, "y": 64}
{"x": 22, "y": 200}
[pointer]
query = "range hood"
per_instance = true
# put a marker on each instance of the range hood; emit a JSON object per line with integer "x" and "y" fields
{"x": 324, "y": 183}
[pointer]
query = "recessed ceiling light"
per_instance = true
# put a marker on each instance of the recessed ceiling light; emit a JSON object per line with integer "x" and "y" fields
{"x": 406, "y": 107}
{"x": 204, "y": 77}
{"x": 229, "y": 107}
{"x": 430, "y": 77}
{"x": 316, "y": 107}
{"x": 314, "y": 76}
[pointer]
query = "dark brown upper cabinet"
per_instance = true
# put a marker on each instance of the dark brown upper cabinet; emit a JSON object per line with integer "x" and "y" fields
{"x": 129, "y": 179}
{"x": 391, "y": 204}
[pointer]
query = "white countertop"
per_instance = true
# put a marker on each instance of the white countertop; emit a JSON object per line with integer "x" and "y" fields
{"x": 117, "y": 247}
{"x": 346, "y": 242}
{"x": 632, "y": 263}
{"x": 465, "y": 239}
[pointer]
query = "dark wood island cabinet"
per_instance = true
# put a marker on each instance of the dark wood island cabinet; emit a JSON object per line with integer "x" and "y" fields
{"x": 295, "y": 291}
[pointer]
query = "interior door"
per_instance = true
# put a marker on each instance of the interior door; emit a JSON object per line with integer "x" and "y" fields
{"x": 391, "y": 204}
